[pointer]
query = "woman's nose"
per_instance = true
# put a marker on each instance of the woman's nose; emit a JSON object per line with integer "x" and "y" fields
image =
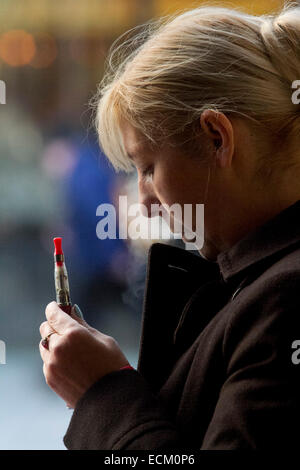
{"x": 149, "y": 200}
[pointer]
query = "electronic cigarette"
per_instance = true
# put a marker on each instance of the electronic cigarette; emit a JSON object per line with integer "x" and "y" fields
{"x": 61, "y": 278}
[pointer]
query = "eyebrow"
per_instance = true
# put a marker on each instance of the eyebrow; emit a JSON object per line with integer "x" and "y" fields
{"x": 137, "y": 151}
{"x": 134, "y": 155}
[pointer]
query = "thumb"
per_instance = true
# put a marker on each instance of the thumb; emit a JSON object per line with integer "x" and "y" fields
{"x": 57, "y": 318}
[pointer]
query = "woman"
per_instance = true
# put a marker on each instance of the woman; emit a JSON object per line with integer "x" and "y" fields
{"x": 203, "y": 107}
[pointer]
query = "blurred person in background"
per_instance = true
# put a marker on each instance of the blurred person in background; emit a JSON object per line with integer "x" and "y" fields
{"x": 99, "y": 264}
{"x": 202, "y": 107}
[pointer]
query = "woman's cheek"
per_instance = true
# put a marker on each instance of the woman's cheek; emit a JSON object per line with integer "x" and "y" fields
{"x": 166, "y": 190}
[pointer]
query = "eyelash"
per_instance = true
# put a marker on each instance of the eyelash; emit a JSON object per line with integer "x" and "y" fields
{"x": 148, "y": 171}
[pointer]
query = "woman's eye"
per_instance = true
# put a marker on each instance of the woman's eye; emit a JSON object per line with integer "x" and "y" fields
{"x": 148, "y": 172}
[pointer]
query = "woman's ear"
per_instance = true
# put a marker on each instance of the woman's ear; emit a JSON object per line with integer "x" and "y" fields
{"x": 219, "y": 130}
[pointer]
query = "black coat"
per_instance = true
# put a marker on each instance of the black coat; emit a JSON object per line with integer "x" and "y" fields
{"x": 215, "y": 367}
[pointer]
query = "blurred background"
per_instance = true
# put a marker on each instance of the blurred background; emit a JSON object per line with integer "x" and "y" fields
{"x": 52, "y": 178}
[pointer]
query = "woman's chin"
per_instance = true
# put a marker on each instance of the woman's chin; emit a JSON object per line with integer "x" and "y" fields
{"x": 209, "y": 251}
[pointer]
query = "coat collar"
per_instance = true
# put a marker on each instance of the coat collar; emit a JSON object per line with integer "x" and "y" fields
{"x": 278, "y": 234}
{"x": 281, "y": 233}
{"x": 172, "y": 277}
{"x": 184, "y": 291}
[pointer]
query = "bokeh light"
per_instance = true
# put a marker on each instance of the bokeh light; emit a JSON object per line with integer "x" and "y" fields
{"x": 46, "y": 51}
{"x": 17, "y": 47}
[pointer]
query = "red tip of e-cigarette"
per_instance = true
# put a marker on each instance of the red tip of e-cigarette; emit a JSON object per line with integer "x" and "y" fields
{"x": 57, "y": 244}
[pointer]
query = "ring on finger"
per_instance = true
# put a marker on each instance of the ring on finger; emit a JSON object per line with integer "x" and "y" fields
{"x": 45, "y": 341}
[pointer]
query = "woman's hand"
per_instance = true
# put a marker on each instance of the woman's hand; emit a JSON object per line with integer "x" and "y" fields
{"x": 78, "y": 354}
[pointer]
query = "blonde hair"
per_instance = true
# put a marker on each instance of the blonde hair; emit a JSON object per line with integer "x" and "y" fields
{"x": 162, "y": 78}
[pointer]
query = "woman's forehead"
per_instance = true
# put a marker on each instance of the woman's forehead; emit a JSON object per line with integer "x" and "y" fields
{"x": 134, "y": 143}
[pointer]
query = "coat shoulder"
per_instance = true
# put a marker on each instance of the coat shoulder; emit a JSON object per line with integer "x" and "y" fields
{"x": 266, "y": 313}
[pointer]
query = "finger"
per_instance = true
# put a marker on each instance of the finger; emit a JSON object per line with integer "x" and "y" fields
{"x": 78, "y": 312}
{"x": 53, "y": 340}
{"x": 44, "y": 353}
{"x": 45, "y": 329}
{"x": 47, "y": 344}
{"x": 76, "y": 317}
{"x": 58, "y": 319}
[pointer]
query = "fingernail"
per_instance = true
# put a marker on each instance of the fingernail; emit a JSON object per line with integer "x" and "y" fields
{"x": 78, "y": 312}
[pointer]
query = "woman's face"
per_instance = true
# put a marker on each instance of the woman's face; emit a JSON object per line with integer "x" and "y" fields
{"x": 166, "y": 177}
{"x": 169, "y": 176}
